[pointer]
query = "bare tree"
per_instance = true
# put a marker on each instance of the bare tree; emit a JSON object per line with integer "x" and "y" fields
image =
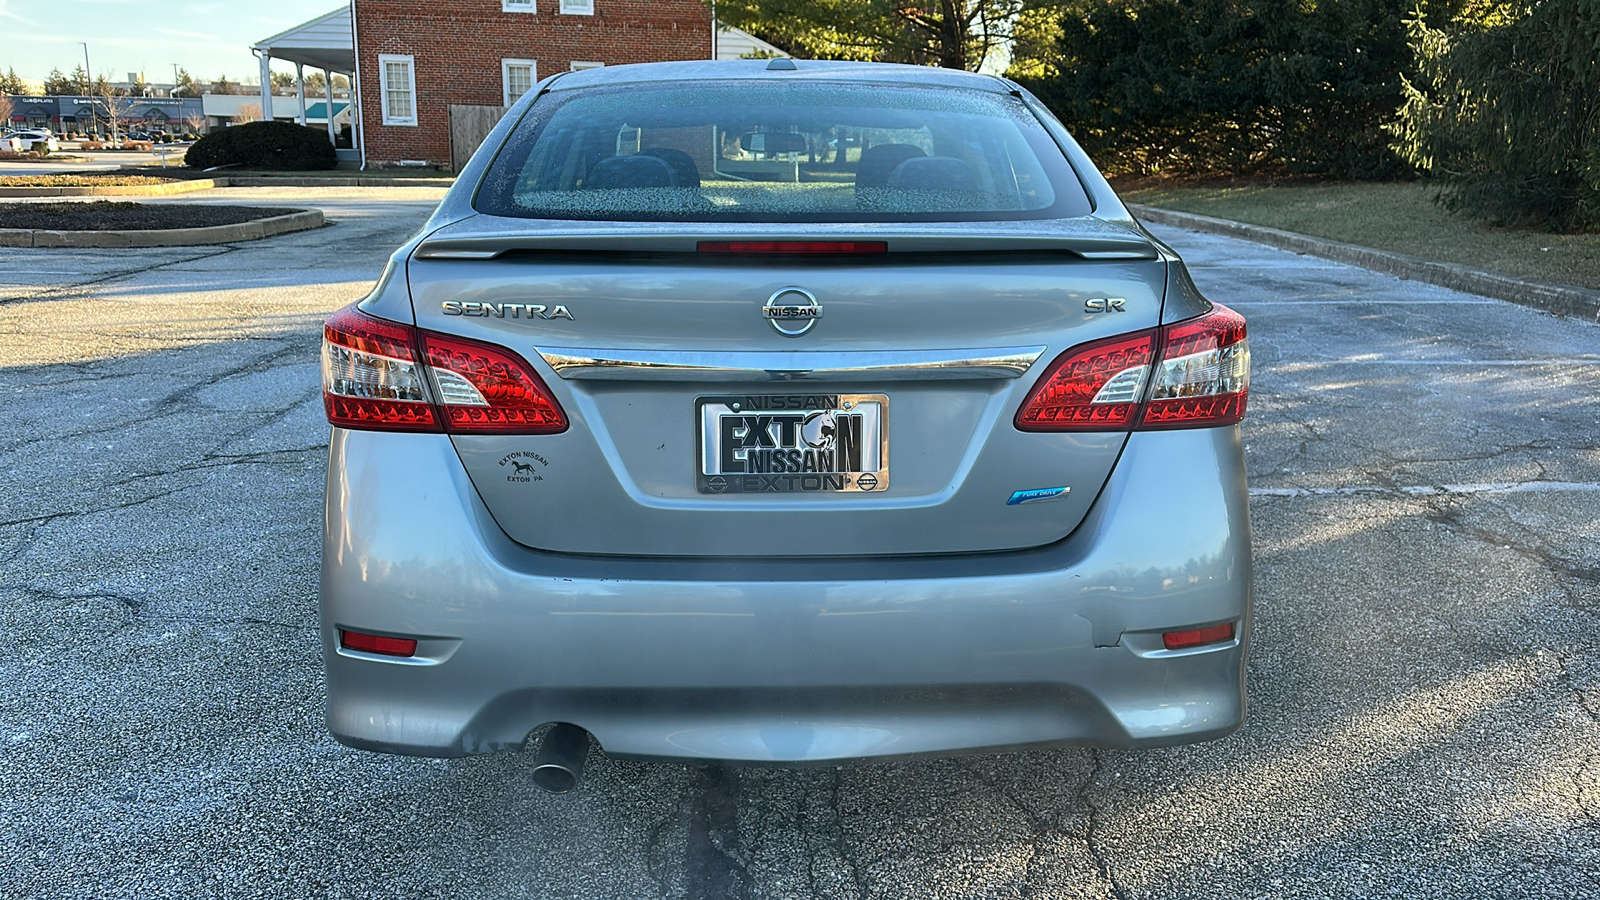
{"x": 6, "y": 109}
{"x": 194, "y": 122}
{"x": 249, "y": 112}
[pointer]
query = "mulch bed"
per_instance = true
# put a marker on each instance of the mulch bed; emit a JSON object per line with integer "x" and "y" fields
{"x": 80, "y": 180}
{"x": 109, "y": 216}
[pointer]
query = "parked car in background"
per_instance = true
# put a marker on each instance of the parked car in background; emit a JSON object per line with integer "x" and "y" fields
{"x": 12, "y": 143}
{"x": 783, "y": 412}
{"x": 31, "y": 140}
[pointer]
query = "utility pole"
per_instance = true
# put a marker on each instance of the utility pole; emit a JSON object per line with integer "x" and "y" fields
{"x": 88, "y": 83}
{"x": 174, "y": 91}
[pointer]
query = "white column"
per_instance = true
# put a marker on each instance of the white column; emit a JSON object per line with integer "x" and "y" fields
{"x": 327, "y": 92}
{"x": 300, "y": 88}
{"x": 266, "y": 87}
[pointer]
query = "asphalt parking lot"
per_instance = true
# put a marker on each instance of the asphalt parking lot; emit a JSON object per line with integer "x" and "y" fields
{"x": 1425, "y": 693}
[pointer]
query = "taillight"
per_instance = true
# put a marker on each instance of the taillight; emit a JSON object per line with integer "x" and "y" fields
{"x": 482, "y": 387}
{"x": 1096, "y": 386}
{"x": 1200, "y": 378}
{"x": 1204, "y": 374}
{"x": 370, "y": 376}
{"x": 372, "y": 379}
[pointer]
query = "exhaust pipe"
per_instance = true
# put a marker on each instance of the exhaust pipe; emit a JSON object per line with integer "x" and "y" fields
{"x": 559, "y": 763}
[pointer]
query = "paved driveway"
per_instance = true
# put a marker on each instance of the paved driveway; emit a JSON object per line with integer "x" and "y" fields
{"x": 1426, "y": 477}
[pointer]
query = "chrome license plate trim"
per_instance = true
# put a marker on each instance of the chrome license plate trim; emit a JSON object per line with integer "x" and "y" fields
{"x": 796, "y": 443}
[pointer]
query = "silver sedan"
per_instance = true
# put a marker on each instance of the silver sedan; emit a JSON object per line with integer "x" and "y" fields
{"x": 783, "y": 412}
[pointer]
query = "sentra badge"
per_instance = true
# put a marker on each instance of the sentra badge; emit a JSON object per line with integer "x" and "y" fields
{"x": 505, "y": 310}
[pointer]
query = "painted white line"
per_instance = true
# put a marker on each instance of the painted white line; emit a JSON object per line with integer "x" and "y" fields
{"x": 1356, "y": 301}
{"x": 1473, "y": 363}
{"x": 1434, "y": 490}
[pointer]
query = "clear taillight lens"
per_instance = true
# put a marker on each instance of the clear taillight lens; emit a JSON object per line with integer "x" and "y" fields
{"x": 1204, "y": 375}
{"x": 1200, "y": 379}
{"x": 370, "y": 377}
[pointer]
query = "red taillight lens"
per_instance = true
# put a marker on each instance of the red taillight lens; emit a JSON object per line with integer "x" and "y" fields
{"x": 370, "y": 377}
{"x": 1094, "y": 387}
{"x": 482, "y": 387}
{"x": 377, "y": 643}
{"x": 803, "y": 248}
{"x": 372, "y": 380}
{"x": 1201, "y": 379}
{"x": 1197, "y": 637}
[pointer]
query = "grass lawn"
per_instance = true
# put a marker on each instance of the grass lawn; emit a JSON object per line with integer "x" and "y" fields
{"x": 90, "y": 180}
{"x": 1398, "y": 216}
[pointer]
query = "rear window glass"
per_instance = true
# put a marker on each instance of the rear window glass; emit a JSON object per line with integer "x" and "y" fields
{"x": 780, "y": 152}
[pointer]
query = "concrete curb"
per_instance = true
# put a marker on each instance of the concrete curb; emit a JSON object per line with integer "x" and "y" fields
{"x": 1560, "y": 299}
{"x": 126, "y": 190}
{"x": 309, "y": 181}
{"x": 298, "y": 220}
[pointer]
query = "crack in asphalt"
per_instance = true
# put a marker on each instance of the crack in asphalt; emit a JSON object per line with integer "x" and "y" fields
{"x": 65, "y": 291}
{"x": 1091, "y": 827}
{"x": 713, "y": 866}
{"x": 135, "y": 607}
{"x": 73, "y": 513}
{"x": 1451, "y": 517}
{"x": 857, "y": 879}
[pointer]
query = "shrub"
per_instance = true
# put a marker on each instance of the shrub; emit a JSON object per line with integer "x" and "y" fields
{"x": 1506, "y": 113}
{"x": 265, "y": 145}
{"x": 1240, "y": 86}
{"x": 93, "y": 145}
{"x": 137, "y": 145}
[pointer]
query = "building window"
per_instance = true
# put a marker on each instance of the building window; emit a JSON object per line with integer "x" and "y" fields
{"x": 398, "y": 89}
{"x": 577, "y": 7}
{"x": 518, "y": 76}
{"x": 580, "y": 66}
{"x": 521, "y": 6}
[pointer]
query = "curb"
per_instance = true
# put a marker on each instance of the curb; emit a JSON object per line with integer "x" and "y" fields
{"x": 126, "y": 190}
{"x": 274, "y": 181}
{"x": 297, "y": 220}
{"x": 1559, "y": 299}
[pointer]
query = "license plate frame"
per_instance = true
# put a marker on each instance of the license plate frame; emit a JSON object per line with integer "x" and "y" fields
{"x": 739, "y": 439}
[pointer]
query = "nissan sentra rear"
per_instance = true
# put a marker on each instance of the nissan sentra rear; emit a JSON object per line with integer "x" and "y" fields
{"x": 789, "y": 414}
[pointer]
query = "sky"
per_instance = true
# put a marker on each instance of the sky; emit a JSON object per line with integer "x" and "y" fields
{"x": 207, "y": 38}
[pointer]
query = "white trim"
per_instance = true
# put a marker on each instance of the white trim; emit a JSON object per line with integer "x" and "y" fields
{"x": 579, "y": 65}
{"x": 518, "y": 6}
{"x": 384, "y": 59}
{"x": 505, "y": 78}
{"x": 576, "y": 7}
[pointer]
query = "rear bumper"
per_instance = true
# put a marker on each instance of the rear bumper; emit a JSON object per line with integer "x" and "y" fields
{"x": 784, "y": 661}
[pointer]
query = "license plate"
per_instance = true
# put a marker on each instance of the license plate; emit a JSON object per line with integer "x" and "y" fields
{"x": 793, "y": 443}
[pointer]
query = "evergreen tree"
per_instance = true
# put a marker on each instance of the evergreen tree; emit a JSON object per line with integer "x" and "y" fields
{"x": 1505, "y": 111}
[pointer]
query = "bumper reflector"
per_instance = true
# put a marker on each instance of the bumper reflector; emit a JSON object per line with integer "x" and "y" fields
{"x": 1195, "y": 637}
{"x": 377, "y": 643}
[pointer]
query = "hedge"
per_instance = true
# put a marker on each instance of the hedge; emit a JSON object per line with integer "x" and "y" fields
{"x": 264, "y": 145}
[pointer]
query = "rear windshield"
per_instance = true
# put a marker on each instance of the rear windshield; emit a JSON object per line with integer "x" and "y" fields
{"x": 765, "y": 151}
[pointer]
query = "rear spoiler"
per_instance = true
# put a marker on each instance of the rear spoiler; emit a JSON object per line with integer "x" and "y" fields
{"x": 1086, "y": 238}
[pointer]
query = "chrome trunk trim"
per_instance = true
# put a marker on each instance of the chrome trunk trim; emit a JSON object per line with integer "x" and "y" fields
{"x": 575, "y": 364}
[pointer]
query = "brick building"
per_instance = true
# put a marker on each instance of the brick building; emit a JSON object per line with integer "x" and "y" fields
{"x": 415, "y": 58}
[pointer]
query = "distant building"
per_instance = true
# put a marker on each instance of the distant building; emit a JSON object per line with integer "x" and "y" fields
{"x": 414, "y": 59}
{"x": 91, "y": 115}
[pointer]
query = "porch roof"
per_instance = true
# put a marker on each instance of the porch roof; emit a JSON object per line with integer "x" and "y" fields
{"x": 325, "y": 42}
